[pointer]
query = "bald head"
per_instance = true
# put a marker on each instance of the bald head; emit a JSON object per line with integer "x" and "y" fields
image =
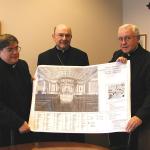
{"x": 62, "y": 27}
{"x": 62, "y": 36}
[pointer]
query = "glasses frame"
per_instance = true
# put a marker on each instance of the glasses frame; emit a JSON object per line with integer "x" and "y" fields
{"x": 126, "y": 38}
{"x": 62, "y": 35}
{"x": 11, "y": 50}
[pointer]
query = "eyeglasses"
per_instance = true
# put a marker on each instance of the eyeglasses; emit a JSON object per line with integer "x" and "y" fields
{"x": 13, "y": 49}
{"x": 62, "y": 35}
{"x": 125, "y": 38}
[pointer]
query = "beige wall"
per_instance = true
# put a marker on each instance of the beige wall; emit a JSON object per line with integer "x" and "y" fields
{"x": 94, "y": 24}
{"x": 136, "y": 12}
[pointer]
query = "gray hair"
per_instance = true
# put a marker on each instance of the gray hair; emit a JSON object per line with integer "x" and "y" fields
{"x": 133, "y": 27}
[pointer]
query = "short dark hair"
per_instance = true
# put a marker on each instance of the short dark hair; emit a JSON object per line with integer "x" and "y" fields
{"x": 6, "y": 40}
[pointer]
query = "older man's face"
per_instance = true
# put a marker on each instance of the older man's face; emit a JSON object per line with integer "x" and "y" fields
{"x": 128, "y": 40}
{"x": 62, "y": 37}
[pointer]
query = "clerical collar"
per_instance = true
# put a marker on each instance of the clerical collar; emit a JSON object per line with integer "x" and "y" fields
{"x": 8, "y": 65}
{"x": 132, "y": 52}
{"x": 62, "y": 50}
{"x": 13, "y": 66}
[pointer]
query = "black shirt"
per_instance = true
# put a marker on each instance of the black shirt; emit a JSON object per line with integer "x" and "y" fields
{"x": 70, "y": 57}
{"x": 140, "y": 81}
{"x": 15, "y": 97}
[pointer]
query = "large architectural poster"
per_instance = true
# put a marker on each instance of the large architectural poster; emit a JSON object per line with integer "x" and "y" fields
{"x": 87, "y": 99}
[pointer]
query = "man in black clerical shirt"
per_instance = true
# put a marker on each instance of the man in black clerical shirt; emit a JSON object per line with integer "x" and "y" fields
{"x": 15, "y": 94}
{"x": 130, "y": 48}
{"x": 63, "y": 54}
